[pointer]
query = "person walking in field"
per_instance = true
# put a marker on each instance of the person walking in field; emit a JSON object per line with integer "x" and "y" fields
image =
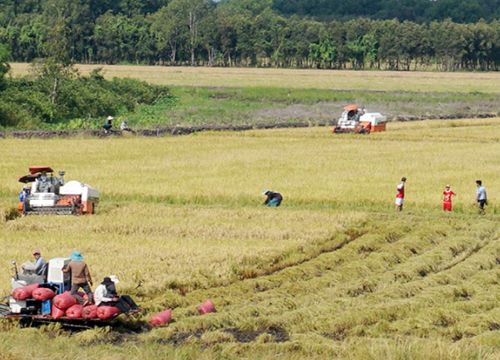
{"x": 481, "y": 197}
{"x": 400, "y": 196}
{"x": 80, "y": 276}
{"x": 273, "y": 199}
{"x": 447, "y": 198}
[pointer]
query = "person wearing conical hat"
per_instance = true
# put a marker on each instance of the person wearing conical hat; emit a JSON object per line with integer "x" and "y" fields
{"x": 80, "y": 277}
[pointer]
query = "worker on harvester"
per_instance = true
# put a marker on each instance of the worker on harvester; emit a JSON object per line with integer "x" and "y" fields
{"x": 273, "y": 199}
{"x": 43, "y": 183}
{"x": 80, "y": 277}
{"x": 106, "y": 295}
{"x": 39, "y": 267}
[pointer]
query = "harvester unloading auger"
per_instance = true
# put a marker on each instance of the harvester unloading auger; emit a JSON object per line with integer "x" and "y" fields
{"x": 48, "y": 194}
{"x": 355, "y": 119}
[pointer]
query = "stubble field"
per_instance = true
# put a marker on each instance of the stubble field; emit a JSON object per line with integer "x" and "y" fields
{"x": 333, "y": 273}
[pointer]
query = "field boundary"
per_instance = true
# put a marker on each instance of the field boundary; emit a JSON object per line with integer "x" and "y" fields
{"x": 187, "y": 130}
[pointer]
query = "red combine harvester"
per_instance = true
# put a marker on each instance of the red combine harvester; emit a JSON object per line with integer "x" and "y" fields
{"x": 48, "y": 194}
{"x": 356, "y": 120}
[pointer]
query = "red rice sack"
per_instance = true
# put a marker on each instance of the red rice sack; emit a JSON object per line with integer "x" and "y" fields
{"x": 56, "y": 312}
{"x": 207, "y": 307}
{"x": 89, "y": 312}
{"x": 43, "y": 294}
{"x": 75, "y": 311}
{"x": 107, "y": 312}
{"x": 162, "y": 318}
{"x": 24, "y": 292}
{"x": 64, "y": 300}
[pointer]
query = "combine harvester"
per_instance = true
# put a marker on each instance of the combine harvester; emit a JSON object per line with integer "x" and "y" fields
{"x": 33, "y": 300}
{"x": 355, "y": 120}
{"x": 49, "y": 194}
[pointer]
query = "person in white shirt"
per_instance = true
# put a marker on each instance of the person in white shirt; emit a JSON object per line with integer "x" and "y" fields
{"x": 105, "y": 293}
{"x": 481, "y": 197}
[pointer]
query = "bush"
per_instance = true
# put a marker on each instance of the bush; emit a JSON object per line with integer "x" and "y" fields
{"x": 30, "y": 103}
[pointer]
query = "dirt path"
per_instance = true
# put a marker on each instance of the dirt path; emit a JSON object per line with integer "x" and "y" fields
{"x": 186, "y": 130}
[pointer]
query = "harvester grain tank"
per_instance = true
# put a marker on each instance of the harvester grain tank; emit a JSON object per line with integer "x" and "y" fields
{"x": 49, "y": 194}
{"x": 355, "y": 119}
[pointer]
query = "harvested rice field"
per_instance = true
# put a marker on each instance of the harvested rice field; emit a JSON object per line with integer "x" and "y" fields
{"x": 334, "y": 272}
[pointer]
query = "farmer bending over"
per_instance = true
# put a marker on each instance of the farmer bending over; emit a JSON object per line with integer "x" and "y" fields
{"x": 273, "y": 199}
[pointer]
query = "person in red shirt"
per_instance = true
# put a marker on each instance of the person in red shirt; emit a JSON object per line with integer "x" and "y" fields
{"x": 400, "y": 196}
{"x": 447, "y": 197}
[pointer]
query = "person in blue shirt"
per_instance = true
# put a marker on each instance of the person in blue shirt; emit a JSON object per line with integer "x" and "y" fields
{"x": 38, "y": 267}
{"x": 273, "y": 199}
{"x": 23, "y": 195}
{"x": 481, "y": 197}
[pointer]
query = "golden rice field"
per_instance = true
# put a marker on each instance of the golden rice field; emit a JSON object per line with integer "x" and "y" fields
{"x": 486, "y": 82}
{"x": 334, "y": 272}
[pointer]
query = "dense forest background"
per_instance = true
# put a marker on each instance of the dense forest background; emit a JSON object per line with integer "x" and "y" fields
{"x": 363, "y": 34}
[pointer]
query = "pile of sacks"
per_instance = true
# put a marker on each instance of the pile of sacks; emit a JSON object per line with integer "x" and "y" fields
{"x": 64, "y": 304}
{"x": 33, "y": 292}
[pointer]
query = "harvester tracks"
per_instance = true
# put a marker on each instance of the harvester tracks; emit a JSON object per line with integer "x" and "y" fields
{"x": 312, "y": 281}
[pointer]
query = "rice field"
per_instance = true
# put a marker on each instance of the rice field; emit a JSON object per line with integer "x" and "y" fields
{"x": 454, "y": 82}
{"x": 334, "y": 272}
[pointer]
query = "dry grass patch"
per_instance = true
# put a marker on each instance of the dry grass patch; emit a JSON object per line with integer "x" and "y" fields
{"x": 304, "y": 79}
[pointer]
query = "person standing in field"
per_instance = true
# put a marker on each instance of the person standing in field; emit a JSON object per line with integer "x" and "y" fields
{"x": 400, "y": 196}
{"x": 80, "y": 276}
{"x": 447, "y": 198}
{"x": 481, "y": 197}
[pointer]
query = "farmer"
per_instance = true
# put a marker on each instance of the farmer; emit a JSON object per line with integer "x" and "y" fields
{"x": 105, "y": 292}
{"x": 108, "y": 124}
{"x": 124, "y": 126}
{"x": 481, "y": 196}
{"x": 400, "y": 196}
{"x": 38, "y": 267}
{"x": 447, "y": 198}
{"x": 106, "y": 295}
{"x": 42, "y": 183}
{"x": 23, "y": 197}
{"x": 273, "y": 199}
{"x": 80, "y": 277}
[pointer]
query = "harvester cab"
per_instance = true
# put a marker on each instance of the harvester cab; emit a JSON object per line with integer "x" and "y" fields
{"x": 52, "y": 278}
{"x": 355, "y": 119}
{"x": 49, "y": 194}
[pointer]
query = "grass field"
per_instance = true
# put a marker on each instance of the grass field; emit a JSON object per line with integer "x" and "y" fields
{"x": 486, "y": 82}
{"x": 333, "y": 273}
{"x": 230, "y": 97}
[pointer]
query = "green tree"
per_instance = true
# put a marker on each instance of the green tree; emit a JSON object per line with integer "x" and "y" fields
{"x": 4, "y": 65}
{"x": 168, "y": 31}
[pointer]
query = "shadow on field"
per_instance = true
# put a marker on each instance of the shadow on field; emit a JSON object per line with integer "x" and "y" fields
{"x": 276, "y": 334}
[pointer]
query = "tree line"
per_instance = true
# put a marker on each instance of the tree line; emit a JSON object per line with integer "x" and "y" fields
{"x": 462, "y": 11}
{"x": 243, "y": 33}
